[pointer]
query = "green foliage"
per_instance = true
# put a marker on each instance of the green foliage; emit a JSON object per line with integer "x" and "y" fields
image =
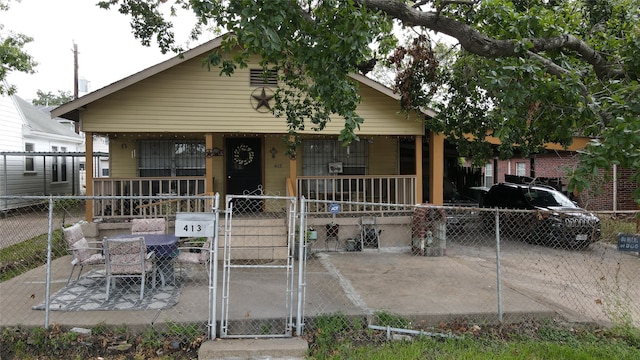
{"x": 49, "y": 99}
{"x": 326, "y": 329}
{"x": 99, "y": 329}
{"x": 384, "y": 318}
{"x": 12, "y": 55}
{"x": 187, "y": 332}
{"x": 627, "y": 333}
{"x": 122, "y": 329}
{"x": 38, "y": 337}
{"x": 151, "y": 338}
{"x": 266, "y": 329}
{"x": 610, "y": 228}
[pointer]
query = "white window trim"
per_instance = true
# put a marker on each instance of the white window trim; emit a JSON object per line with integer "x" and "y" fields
{"x": 33, "y": 159}
{"x": 488, "y": 174}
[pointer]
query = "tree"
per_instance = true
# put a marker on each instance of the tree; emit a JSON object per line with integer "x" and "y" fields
{"x": 49, "y": 99}
{"x": 11, "y": 54}
{"x": 528, "y": 72}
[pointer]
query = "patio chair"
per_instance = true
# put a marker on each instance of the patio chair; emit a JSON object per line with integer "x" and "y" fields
{"x": 128, "y": 258}
{"x": 83, "y": 251}
{"x": 148, "y": 226}
{"x": 194, "y": 253}
{"x": 369, "y": 233}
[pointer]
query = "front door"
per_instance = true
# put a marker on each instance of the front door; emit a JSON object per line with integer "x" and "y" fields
{"x": 244, "y": 167}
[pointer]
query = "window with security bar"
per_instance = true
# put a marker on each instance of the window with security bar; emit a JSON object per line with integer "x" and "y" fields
{"x": 324, "y": 157}
{"x": 58, "y": 165}
{"x": 171, "y": 158}
{"x": 327, "y": 157}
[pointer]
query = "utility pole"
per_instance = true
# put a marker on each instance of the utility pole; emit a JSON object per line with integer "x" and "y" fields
{"x": 75, "y": 81}
{"x": 75, "y": 71}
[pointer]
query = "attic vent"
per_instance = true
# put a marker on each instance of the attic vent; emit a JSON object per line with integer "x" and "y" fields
{"x": 260, "y": 78}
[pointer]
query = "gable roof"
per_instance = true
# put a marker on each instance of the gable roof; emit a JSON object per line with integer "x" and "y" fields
{"x": 40, "y": 122}
{"x": 71, "y": 110}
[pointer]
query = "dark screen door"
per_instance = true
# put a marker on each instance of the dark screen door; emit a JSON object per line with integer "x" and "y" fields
{"x": 244, "y": 168}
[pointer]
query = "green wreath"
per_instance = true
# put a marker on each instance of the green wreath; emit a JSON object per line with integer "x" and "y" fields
{"x": 243, "y": 155}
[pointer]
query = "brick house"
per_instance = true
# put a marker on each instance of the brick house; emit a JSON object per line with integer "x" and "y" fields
{"x": 612, "y": 194}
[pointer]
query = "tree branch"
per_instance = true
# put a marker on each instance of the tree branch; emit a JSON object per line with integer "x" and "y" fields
{"x": 555, "y": 69}
{"x": 480, "y": 44}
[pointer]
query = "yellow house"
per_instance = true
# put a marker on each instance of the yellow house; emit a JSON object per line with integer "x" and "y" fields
{"x": 178, "y": 129}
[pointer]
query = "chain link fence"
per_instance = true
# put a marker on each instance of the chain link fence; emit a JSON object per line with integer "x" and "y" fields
{"x": 283, "y": 268}
{"x": 420, "y": 265}
{"x": 258, "y": 266}
{"x": 38, "y": 287}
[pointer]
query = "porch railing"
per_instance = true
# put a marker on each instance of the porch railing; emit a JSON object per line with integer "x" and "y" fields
{"x": 365, "y": 191}
{"x": 154, "y": 189}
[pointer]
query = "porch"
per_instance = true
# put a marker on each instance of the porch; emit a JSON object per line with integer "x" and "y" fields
{"x": 139, "y": 197}
{"x": 363, "y": 193}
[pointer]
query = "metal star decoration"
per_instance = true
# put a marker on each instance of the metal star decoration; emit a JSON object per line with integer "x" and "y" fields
{"x": 262, "y": 99}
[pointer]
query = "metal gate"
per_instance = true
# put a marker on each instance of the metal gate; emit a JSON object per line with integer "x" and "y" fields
{"x": 258, "y": 266}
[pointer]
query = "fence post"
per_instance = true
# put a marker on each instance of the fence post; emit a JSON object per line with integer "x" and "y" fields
{"x": 301, "y": 265}
{"x": 213, "y": 267}
{"x": 498, "y": 275}
{"x": 47, "y": 292}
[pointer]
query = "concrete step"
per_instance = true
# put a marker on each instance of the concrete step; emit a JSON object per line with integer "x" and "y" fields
{"x": 294, "y": 348}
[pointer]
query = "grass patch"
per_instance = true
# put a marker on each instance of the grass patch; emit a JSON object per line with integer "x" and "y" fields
{"x": 384, "y": 318}
{"x": 610, "y": 228}
{"x": 469, "y": 348}
{"x": 30, "y": 254}
{"x": 339, "y": 337}
{"x": 515, "y": 341}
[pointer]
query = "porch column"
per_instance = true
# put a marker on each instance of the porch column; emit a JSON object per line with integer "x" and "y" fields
{"x": 293, "y": 169}
{"x": 208, "y": 163}
{"x": 88, "y": 168}
{"x": 419, "y": 195}
{"x": 436, "y": 168}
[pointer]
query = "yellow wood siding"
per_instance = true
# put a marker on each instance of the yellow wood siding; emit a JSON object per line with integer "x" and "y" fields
{"x": 122, "y": 158}
{"x": 218, "y": 165}
{"x": 276, "y": 167}
{"x": 381, "y": 115}
{"x": 383, "y": 156}
{"x": 188, "y": 98}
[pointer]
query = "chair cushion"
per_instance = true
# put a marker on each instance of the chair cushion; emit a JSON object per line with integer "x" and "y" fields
{"x": 148, "y": 226}
{"x": 201, "y": 257}
{"x": 129, "y": 264}
{"x": 81, "y": 250}
{"x": 94, "y": 259}
{"x": 126, "y": 256}
{"x": 188, "y": 257}
{"x": 73, "y": 233}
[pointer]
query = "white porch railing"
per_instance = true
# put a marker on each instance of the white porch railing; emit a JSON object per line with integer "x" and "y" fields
{"x": 365, "y": 191}
{"x": 159, "y": 189}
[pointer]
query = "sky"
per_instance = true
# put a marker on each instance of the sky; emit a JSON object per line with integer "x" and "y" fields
{"x": 107, "y": 49}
